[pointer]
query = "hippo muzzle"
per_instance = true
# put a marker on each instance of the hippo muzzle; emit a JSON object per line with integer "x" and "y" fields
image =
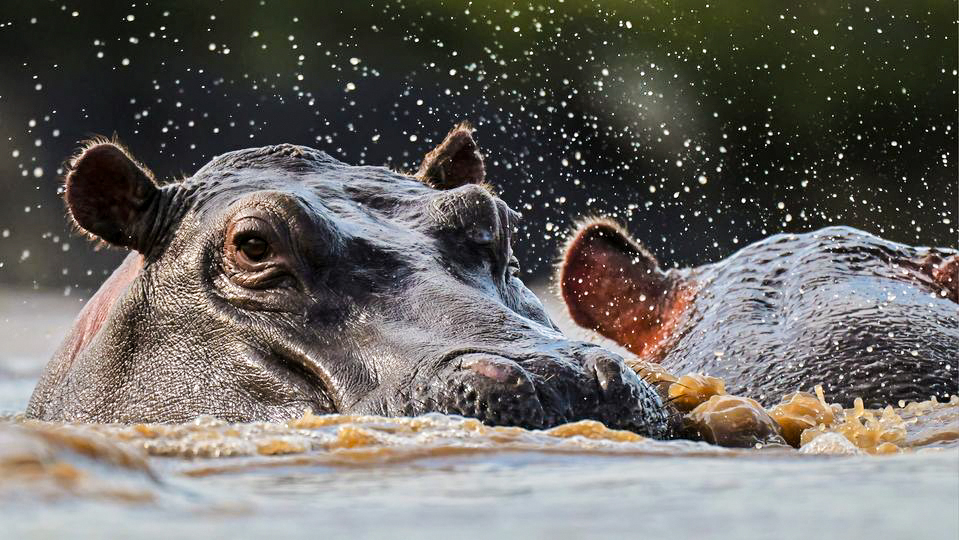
{"x": 541, "y": 391}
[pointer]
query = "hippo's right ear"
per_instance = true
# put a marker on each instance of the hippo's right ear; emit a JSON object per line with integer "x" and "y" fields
{"x": 112, "y": 197}
{"x": 457, "y": 161}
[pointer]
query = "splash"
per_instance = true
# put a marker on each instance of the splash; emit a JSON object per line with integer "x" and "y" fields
{"x": 801, "y": 418}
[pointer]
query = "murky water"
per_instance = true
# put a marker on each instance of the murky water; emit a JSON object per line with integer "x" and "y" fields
{"x": 439, "y": 476}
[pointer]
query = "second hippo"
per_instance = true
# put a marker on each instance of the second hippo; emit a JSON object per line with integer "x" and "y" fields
{"x": 863, "y": 316}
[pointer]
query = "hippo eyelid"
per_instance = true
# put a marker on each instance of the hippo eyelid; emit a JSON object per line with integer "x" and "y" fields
{"x": 480, "y": 235}
{"x": 464, "y": 206}
{"x": 250, "y": 225}
{"x": 273, "y": 267}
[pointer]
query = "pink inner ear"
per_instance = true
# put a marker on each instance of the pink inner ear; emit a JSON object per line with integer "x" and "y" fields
{"x": 94, "y": 314}
{"x": 594, "y": 275}
{"x": 609, "y": 284}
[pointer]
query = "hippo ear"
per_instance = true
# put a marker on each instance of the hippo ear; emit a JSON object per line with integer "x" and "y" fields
{"x": 455, "y": 162}
{"x": 609, "y": 282}
{"x": 111, "y": 197}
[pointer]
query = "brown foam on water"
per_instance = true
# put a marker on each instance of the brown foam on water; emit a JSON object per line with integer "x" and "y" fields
{"x": 801, "y": 417}
{"x": 47, "y": 462}
{"x": 734, "y": 421}
{"x": 924, "y": 425}
{"x": 800, "y": 411}
{"x": 201, "y": 446}
{"x": 693, "y": 389}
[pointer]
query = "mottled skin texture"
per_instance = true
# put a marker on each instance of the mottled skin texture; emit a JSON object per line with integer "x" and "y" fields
{"x": 839, "y": 307}
{"x": 278, "y": 279}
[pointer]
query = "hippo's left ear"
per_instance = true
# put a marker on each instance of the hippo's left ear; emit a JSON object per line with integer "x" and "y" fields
{"x": 611, "y": 284}
{"x": 455, "y": 162}
{"x": 112, "y": 197}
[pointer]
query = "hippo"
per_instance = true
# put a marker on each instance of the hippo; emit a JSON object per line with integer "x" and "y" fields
{"x": 279, "y": 280}
{"x": 863, "y": 316}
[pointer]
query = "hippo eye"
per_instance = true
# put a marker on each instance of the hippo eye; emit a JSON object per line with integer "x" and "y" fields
{"x": 256, "y": 253}
{"x": 253, "y": 248}
{"x": 480, "y": 235}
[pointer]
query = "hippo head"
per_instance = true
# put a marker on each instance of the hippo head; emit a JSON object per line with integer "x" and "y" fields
{"x": 279, "y": 279}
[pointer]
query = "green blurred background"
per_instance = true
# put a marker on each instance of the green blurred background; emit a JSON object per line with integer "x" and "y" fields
{"x": 702, "y": 127}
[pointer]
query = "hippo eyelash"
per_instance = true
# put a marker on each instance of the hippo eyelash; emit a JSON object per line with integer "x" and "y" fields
{"x": 254, "y": 257}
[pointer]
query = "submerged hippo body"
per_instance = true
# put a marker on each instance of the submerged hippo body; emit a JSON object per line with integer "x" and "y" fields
{"x": 279, "y": 279}
{"x": 839, "y": 307}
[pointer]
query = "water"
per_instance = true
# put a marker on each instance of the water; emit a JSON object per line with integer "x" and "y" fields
{"x": 433, "y": 477}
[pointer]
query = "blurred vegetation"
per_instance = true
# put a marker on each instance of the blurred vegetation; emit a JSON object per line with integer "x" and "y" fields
{"x": 702, "y": 127}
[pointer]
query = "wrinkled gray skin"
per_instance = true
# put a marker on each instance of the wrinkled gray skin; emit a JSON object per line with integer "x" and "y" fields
{"x": 379, "y": 295}
{"x": 863, "y": 316}
{"x": 839, "y": 307}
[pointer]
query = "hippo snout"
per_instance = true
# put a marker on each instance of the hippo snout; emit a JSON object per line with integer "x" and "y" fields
{"x": 540, "y": 392}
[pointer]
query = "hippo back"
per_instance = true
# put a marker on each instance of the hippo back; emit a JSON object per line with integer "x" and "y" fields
{"x": 839, "y": 307}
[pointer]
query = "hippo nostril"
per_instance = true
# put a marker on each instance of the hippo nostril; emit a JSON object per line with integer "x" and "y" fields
{"x": 500, "y": 370}
{"x": 615, "y": 381}
{"x": 626, "y": 401}
{"x": 609, "y": 375}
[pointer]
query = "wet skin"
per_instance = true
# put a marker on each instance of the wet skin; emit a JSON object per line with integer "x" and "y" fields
{"x": 278, "y": 279}
{"x": 863, "y": 316}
